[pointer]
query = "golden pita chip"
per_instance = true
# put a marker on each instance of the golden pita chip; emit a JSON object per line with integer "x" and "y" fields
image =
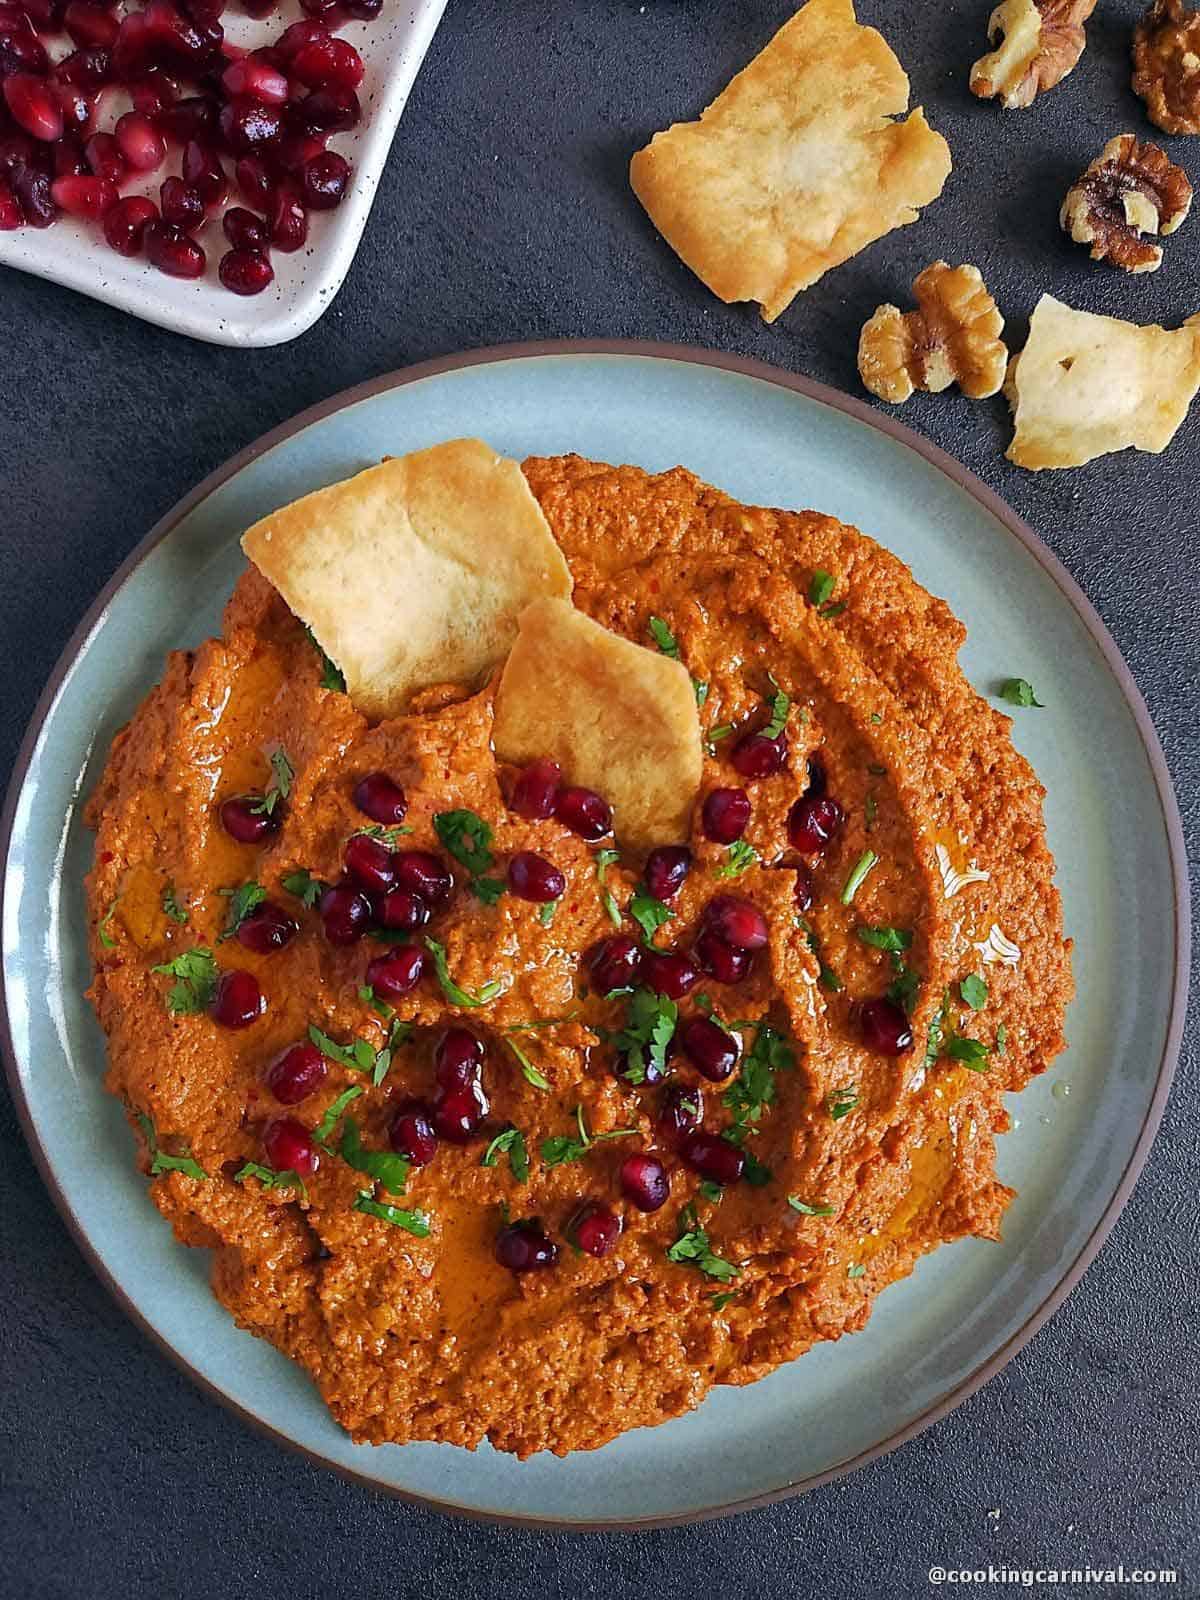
{"x": 617, "y": 718}
{"x": 795, "y": 167}
{"x": 413, "y": 572}
{"x": 1085, "y": 385}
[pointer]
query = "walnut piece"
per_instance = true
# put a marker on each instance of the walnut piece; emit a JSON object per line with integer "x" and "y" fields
{"x": 1043, "y": 39}
{"x": 1166, "y": 66}
{"x": 953, "y": 337}
{"x": 1130, "y": 190}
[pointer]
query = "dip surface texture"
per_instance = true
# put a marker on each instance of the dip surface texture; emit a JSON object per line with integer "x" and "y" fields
{"x": 857, "y": 1162}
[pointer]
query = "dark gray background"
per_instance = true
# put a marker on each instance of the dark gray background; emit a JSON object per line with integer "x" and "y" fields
{"x": 504, "y": 215}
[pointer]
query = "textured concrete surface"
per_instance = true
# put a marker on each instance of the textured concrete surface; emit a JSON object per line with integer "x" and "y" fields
{"x": 504, "y": 215}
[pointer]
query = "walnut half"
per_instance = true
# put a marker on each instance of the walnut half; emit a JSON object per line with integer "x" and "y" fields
{"x": 1129, "y": 191}
{"x": 953, "y": 337}
{"x": 1166, "y": 66}
{"x": 1043, "y": 39}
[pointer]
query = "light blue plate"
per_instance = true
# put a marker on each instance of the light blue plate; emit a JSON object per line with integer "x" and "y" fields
{"x": 1113, "y": 825}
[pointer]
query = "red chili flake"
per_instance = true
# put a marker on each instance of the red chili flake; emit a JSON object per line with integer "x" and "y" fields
{"x": 105, "y": 857}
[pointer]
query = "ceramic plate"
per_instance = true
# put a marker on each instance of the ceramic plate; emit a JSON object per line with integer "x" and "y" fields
{"x": 766, "y": 437}
{"x": 74, "y": 253}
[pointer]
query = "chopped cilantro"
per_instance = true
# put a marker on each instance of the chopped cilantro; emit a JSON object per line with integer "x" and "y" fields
{"x": 1001, "y": 1039}
{"x": 781, "y": 709}
{"x": 841, "y": 1102}
{"x": 904, "y": 987}
{"x": 530, "y": 1073}
{"x": 870, "y": 810}
{"x": 820, "y": 590}
{"x": 826, "y": 977}
{"x": 102, "y": 933}
{"x": 755, "y": 1173}
{"x": 754, "y": 1089}
{"x": 700, "y": 690}
{"x": 467, "y": 837}
{"x": 546, "y": 911}
{"x": 331, "y": 676}
{"x": 858, "y": 873}
{"x": 720, "y": 1301}
{"x": 367, "y": 995}
{"x": 1018, "y": 692}
{"x": 605, "y": 859}
{"x": 649, "y": 914}
{"x": 398, "y": 1033}
{"x": 711, "y": 1191}
{"x": 304, "y": 886}
{"x": 835, "y": 610}
{"x": 271, "y": 1179}
{"x": 511, "y": 1142}
{"x": 388, "y": 836}
{"x": 739, "y": 858}
{"x": 454, "y": 991}
{"x": 875, "y": 770}
{"x": 693, "y": 1249}
{"x": 488, "y": 890}
{"x": 715, "y": 735}
{"x": 562, "y": 1148}
{"x": 649, "y": 1029}
{"x": 933, "y": 1044}
{"x": 386, "y": 1167}
{"x": 856, "y": 1271}
{"x": 664, "y": 638}
{"x": 821, "y": 1209}
{"x": 876, "y": 718}
{"x": 358, "y": 1056}
{"x": 160, "y": 1161}
{"x": 974, "y": 991}
{"x": 414, "y": 1222}
{"x": 171, "y": 906}
{"x": 973, "y": 1053}
{"x": 282, "y": 774}
{"x": 881, "y": 938}
{"x": 324, "y": 1129}
{"x": 242, "y": 902}
{"x": 195, "y": 973}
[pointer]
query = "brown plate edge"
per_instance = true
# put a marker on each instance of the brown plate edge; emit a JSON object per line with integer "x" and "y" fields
{"x": 991, "y": 502}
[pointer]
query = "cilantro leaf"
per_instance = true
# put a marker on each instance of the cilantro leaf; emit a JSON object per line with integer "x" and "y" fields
{"x": 171, "y": 906}
{"x": 904, "y": 987}
{"x": 414, "y": 1222}
{"x": 858, "y": 873}
{"x": 781, "y": 710}
{"x": 324, "y": 1129}
{"x": 367, "y": 995}
{"x": 756, "y": 1174}
{"x": 739, "y": 857}
{"x": 973, "y": 1053}
{"x": 454, "y": 991}
{"x": 821, "y": 1209}
{"x": 974, "y": 991}
{"x": 754, "y": 1090}
{"x": 304, "y": 886}
{"x": 331, "y": 676}
{"x": 722, "y": 731}
{"x": 242, "y": 902}
{"x": 604, "y": 860}
{"x": 389, "y": 836}
{"x": 102, "y": 927}
{"x": 510, "y": 1142}
{"x": 820, "y": 590}
{"x": 1001, "y": 1040}
{"x": 933, "y": 1044}
{"x": 359, "y": 1056}
{"x": 880, "y": 938}
{"x": 487, "y": 890}
{"x": 829, "y": 612}
{"x": 649, "y": 1029}
{"x": 1019, "y": 692}
{"x": 561, "y": 1148}
{"x": 857, "y": 1270}
{"x": 700, "y": 690}
{"x": 720, "y": 1301}
{"x": 693, "y": 1249}
{"x": 841, "y": 1102}
{"x": 160, "y": 1161}
{"x": 386, "y": 1167}
{"x": 467, "y": 837}
{"x": 270, "y": 1179}
{"x": 530, "y": 1073}
{"x": 711, "y": 1191}
{"x": 546, "y": 911}
{"x": 649, "y": 914}
{"x": 195, "y": 972}
{"x": 282, "y": 774}
{"x": 664, "y": 638}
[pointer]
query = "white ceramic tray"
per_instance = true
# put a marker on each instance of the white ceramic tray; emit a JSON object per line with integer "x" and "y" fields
{"x": 74, "y": 253}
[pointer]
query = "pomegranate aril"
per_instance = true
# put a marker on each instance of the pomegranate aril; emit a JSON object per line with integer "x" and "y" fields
{"x": 44, "y": 14}
{"x": 401, "y": 910}
{"x": 681, "y": 1113}
{"x": 76, "y": 109}
{"x": 69, "y": 161}
{"x": 34, "y": 106}
{"x": 32, "y": 190}
{"x": 19, "y": 150}
{"x": 525, "y": 1247}
{"x": 289, "y": 220}
{"x": 722, "y": 961}
{"x": 140, "y": 142}
{"x": 458, "y": 1113}
{"x": 267, "y": 928}
{"x": 377, "y": 796}
{"x": 885, "y": 1027}
{"x": 181, "y": 204}
{"x": 245, "y": 817}
{"x": 737, "y": 921}
{"x": 152, "y": 94}
{"x": 202, "y": 170}
{"x": 362, "y": 10}
{"x": 458, "y": 1059}
{"x": 666, "y": 869}
{"x": 90, "y": 25}
{"x": 411, "y": 1134}
{"x": 323, "y": 10}
{"x": 595, "y": 1229}
{"x": 181, "y": 42}
{"x": 257, "y": 79}
{"x": 10, "y": 211}
{"x": 803, "y": 892}
{"x": 421, "y": 872}
{"x": 297, "y": 35}
{"x": 669, "y": 973}
{"x": 255, "y": 182}
{"x": 711, "y": 1049}
{"x": 131, "y": 52}
{"x": 327, "y": 62}
{"x": 237, "y": 1000}
{"x": 818, "y": 778}
{"x": 345, "y": 913}
{"x": 397, "y": 973}
{"x": 172, "y": 251}
{"x": 247, "y": 125}
{"x": 21, "y": 50}
{"x": 324, "y": 180}
{"x": 295, "y": 1074}
{"x": 725, "y": 814}
{"x": 192, "y": 118}
{"x": 87, "y": 69}
{"x": 105, "y": 159}
{"x": 536, "y": 790}
{"x": 812, "y": 823}
{"x": 713, "y": 1158}
{"x": 244, "y": 230}
{"x": 84, "y": 197}
{"x": 288, "y": 1147}
{"x": 756, "y": 756}
{"x": 329, "y": 111}
{"x": 292, "y": 152}
{"x": 615, "y": 963}
{"x": 644, "y": 1182}
{"x": 532, "y": 877}
{"x": 369, "y": 862}
{"x": 584, "y": 812}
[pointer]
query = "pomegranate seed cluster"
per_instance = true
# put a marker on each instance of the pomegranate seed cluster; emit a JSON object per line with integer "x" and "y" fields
{"x": 246, "y": 130}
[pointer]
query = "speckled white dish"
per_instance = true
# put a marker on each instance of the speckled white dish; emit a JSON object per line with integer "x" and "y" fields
{"x": 74, "y": 253}
{"x": 1113, "y": 826}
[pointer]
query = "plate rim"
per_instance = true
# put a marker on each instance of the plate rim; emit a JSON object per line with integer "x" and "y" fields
{"x": 964, "y": 479}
